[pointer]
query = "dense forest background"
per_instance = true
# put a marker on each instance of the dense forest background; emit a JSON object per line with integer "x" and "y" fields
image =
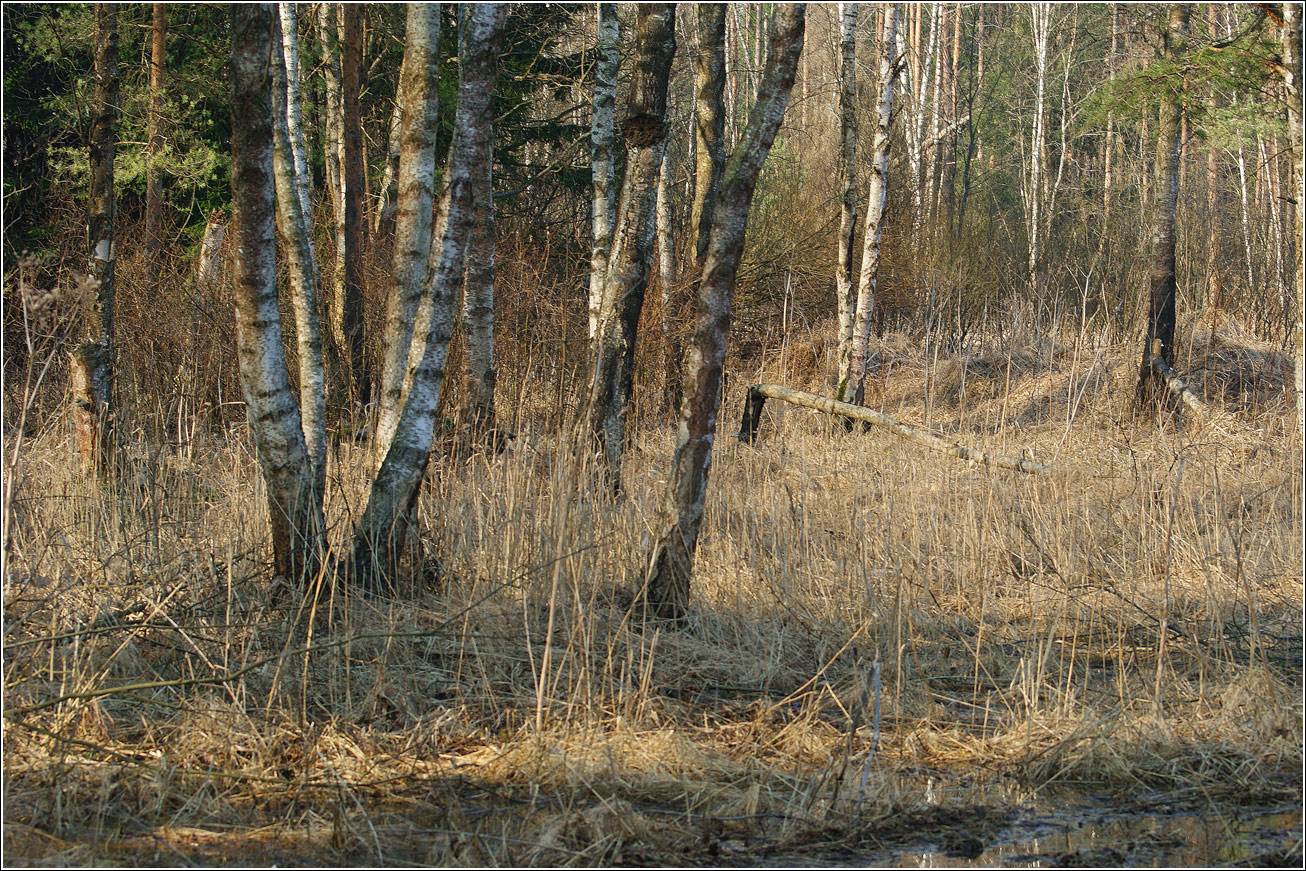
{"x": 957, "y": 244}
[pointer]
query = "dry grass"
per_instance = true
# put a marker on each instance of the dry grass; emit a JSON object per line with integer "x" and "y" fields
{"x": 1132, "y": 620}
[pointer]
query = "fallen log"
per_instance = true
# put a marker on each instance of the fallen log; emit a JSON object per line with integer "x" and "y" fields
{"x": 759, "y": 393}
{"x": 1178, "y": 387}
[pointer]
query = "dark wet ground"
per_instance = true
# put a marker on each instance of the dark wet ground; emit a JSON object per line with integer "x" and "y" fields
{"x": 1068, "y": 832}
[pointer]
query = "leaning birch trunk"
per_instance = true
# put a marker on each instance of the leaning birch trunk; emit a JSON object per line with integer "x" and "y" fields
{"x": 102, "y": 210}
{"x": 645, "y": 132}
{"x": 295, "y": 116}
{"x": 477, "y": 313}
{"x": 602, "y": 137}
{"x": 1292, "y": 42}
{"x": 1161, "y": 270}
{"x": 847, "y": 182}
{"x": 709, "y": 162}
{"x": 303, "y": 275}
{"x": 853, "y": 388}
{"x": 381, "y": 530}
{"x": 670, "y": 565}
{"x": 419, "y": 95}
{"x": 293, "y": 512}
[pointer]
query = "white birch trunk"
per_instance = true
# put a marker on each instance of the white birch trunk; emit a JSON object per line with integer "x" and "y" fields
{"x": 383, "y": 527}
{"x": 303, "y": 276}
{"x": 295, "y": 115}
{"x": 1292, "y": 47}
{"x": 854, "y": 387}
{"x": 274, "y": 422}
{"x": 419, "y": 97}
{"x": 1040, "y": 17}
{"x": 602, "y": 137}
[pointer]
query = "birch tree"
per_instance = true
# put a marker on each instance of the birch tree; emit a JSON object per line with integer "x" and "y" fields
{"x": 670, "y": 564}
{"x": 602, "y": 137}
{"x": 381, "y": 530}
{"x": 294, "y": 512}
{"x": 853, "y": 387}
{"x": 295, "y": 115}
{"x": 477, "y": 311}
{"x": 294, "y": 224}
{"x": 709, "y": 123}
{"x": 644, "y": 131}
{"x": 1161, "y": 268}
{"x": 419, "y": 96}
{"x": 1041, "y": 22}
{"x": 847, "y": 182}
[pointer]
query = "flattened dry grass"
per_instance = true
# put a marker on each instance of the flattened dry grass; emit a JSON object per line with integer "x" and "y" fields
{"x": 1131, "y": 620}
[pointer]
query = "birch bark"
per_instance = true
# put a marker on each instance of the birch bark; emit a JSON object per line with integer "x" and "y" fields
{"x": 477, "y": 313}
{"x": 602, "y": 137}
{"x": 383, "y": 527}
{"x": 853, "y": 388}
{"x": 645, "y": 132}
{"x": 303, "y": 278}
{"x": 293, "y": 510}
{"x": 419, "y": 97}
{"x": 1292, "y": 47}
{"x": 1041, "y": 17}
{"x": 670, "y": 564}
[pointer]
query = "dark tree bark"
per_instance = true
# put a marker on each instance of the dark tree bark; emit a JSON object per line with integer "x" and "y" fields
{"x": 294, "y": 512}
{"x": 1161, "y": 269}
{"x": 477, "y": 313}
{"x": 670, "y": 564}
{"x": 380, "y": 532}
{"x": 153, "y": 176}
{"x": 92, "y": 364}
{"x": 709, "y": 161}
{"x": 645, "y": 133}
{"x": 847, "y": 182}
{"x": 348, "y": 309}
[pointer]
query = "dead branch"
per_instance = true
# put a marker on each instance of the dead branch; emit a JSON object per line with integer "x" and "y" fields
{"x": 759, "y": 393}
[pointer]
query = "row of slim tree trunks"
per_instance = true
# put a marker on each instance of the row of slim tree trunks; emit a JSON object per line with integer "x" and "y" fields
{"x": 269, "y": 183}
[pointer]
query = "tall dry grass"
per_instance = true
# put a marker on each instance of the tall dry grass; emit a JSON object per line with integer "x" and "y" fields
{"x": 1131, "y": 621}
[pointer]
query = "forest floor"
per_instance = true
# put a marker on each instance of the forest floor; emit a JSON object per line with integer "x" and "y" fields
{"x": 892, "y": 657}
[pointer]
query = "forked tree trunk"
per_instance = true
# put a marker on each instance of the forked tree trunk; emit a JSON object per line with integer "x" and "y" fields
{"x": 419, "y": 96}
{"x": 853, "y": 388}
{"x": 602, "y": 138}
{"x": 671, "y": 561}
{"x": 153, "y": 175}
{"x": 847, "y": 182}
{"x": 380, "y": 532}
{"x": 294, "y": 513}
{"x": 1161, "y": 269}
{"x": 294, "y": 225}
{"x": 348, "y": 307}
{"x": 100, "y": 236}
{"x": 645, "y": 133}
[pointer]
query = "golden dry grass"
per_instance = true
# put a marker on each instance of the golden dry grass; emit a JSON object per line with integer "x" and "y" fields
{"x": 1131, "y": 620}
